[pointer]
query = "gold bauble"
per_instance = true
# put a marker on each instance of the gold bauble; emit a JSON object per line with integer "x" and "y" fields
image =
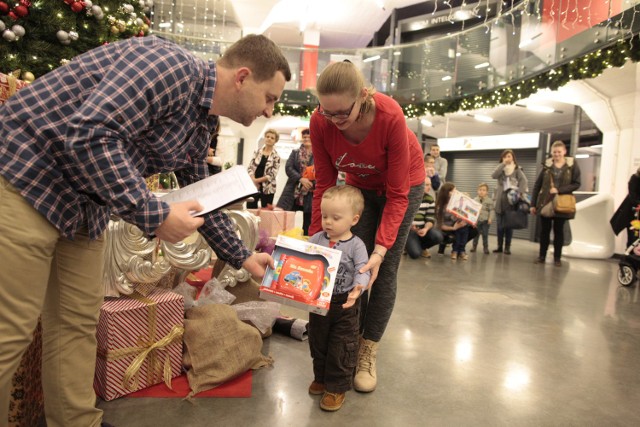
{"x": 115, "y": 30}
{"x": 28, "y": 76}
{"x": 145, "y": 27}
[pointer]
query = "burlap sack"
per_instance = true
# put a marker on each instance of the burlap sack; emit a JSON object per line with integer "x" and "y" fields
{"x": 219, "y": 347}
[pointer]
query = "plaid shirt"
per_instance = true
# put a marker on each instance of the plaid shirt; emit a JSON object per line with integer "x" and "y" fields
{"x": 78, "y": 142}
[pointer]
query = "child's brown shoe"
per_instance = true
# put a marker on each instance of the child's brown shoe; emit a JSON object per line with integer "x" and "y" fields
{"x": 332, "y": 401}
{"x": 316, "y": 388}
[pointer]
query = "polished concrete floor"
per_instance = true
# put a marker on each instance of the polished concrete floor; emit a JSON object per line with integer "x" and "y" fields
{"x": 493, "y": 341}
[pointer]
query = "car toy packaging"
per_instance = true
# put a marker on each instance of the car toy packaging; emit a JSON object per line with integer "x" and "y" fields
{"x": 304, "y": 275}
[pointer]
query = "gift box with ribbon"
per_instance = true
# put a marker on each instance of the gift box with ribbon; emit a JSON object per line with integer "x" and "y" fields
{"x": 139, "y": 342}
{"x": 9, "y": 84}
{"x": 275, "y": 221}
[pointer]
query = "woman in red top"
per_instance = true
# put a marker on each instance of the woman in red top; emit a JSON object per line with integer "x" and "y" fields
{"x": 365, "y": 135}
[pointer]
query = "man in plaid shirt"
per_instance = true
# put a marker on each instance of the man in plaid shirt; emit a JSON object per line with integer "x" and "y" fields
{"x": 75, "y": 146}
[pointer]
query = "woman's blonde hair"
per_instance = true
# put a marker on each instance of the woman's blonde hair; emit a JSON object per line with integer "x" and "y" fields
{"x": 344, "y": 78}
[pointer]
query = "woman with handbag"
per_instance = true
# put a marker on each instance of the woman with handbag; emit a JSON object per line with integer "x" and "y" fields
{"x": 553, "y": 199}
{"x": 509, "y": 176}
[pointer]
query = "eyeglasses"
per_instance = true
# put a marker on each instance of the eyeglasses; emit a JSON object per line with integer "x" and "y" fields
{"x": 339, "y": 116}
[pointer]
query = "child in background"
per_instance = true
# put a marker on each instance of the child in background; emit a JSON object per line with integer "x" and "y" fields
{"x": 333, "y": 339}
{"x": 430, "y": 169}
{"x": 450, "y": 225}
{"x": 484, "y": 219}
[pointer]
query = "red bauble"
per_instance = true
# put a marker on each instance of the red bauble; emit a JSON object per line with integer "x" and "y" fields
{"x": 21, "y": 11}
{"x": 4, "y": 8}
{"x": 77, "y": 7}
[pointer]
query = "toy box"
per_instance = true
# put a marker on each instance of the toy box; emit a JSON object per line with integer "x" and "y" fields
{"x": 464, "y": 207}
{"x": 304, "y": 276}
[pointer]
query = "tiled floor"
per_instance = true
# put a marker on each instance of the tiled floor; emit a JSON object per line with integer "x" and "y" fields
{"x": 493, "y": 341}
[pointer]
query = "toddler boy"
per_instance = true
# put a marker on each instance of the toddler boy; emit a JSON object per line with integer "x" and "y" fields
{"x": 334, "y": 338}
{"x": 484, "y": 219}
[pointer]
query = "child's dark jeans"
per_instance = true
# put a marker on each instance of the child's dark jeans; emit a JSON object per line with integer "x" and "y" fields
{"x": 483, "y": 229}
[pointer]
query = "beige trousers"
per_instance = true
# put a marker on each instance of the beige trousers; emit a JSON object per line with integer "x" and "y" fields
{"x": 44, "y": 273}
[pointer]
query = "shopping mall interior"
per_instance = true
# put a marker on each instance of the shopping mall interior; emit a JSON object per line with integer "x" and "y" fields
{"x": 495, "y": 340}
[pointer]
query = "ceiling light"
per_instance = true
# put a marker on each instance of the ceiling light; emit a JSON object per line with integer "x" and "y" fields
{"x": 483, "y": 65}
{"x": 426, "y": 123}
{"x": 445, "y": 78}
{"x": 541, "y": 108}
{"x": 482, "y": 118}
{"x": 397, "y": 53}
{"x": 164, "y": 25}
{"x": 371, "y": 58}
{"x": 582, "y": 156}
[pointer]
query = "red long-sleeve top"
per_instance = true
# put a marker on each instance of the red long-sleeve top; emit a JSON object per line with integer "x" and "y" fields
{"x": 389, "y": 160}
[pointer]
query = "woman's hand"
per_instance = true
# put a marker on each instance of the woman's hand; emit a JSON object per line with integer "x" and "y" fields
{"x": 306, "y": 183}
{"x": 532, "y": 210}
{"x": 373, "y": 265}
{"x": 553, "y": 190}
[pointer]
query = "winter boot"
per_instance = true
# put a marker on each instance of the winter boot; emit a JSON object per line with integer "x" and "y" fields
{"x": 365, "y": 379}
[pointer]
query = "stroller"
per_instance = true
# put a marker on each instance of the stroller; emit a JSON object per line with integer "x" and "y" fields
{"x": 629, "y": 266}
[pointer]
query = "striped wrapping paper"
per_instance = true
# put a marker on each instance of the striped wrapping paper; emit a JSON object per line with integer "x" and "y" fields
{"x": 129, "y": 359}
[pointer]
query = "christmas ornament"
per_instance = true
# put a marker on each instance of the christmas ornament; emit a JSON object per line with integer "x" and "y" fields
{"x": 9, "y": 36}
{"x": 62, "y": 36}
{"x": 73, "y": 35}
{"x": 77, "y": 7}
{"x": 18, "y": 30}
{"x": 4, "y": 8}
{"x": 28, "y": 76}
{"x": 2, "y": 26}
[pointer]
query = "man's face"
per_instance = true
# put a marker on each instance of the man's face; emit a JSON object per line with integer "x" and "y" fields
{"x": 435, "y": 151}
{"x": 255, "y": 99}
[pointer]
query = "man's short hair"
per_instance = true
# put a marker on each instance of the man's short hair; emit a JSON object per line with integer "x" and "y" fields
{"x": 483, "y": 184}
{"x": 261, "y": 55}
{"x": 305, "y": 131}
{"x": 348, "y": 192}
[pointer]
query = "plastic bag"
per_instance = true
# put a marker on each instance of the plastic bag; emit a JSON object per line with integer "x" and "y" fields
{"x": 188, "y": 292}
{"x": 261, "y": 314}
{"x": 213, "y": 292}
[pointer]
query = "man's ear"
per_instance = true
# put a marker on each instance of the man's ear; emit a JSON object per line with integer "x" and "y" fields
{"x": 241, "y": 75}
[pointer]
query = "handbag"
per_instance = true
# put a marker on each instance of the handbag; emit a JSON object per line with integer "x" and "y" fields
{"x": 516, "y": 219}
{"x": 564, "y": 204}
{"x": 547, "y": 210}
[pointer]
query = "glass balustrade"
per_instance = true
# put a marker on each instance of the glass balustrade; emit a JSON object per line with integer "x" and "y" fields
{"x": 531, "y": 37}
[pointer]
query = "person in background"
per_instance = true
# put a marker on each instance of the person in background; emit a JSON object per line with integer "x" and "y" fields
{"x": 298, "y": 191}
{"x": 333, "y": 338}
{"x": 424, "y": 234}
{"x": 559, "y": 175}
{"x": 510, "y": 177}
{"x": 450, "y": 224}
{"x": 75, "y": 146}
{"x": 484, "y": 219}
{"x": 430, "y": 170}
{"x": 364, "y": 133}
{"x": 440, "y": 163}
{"x": 626, "y": 212}
{"x": 214, "y": 163}
{"x": 263, "y": 170}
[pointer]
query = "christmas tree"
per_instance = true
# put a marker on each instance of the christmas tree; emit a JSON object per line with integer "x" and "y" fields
{"x": 40, "y": 35}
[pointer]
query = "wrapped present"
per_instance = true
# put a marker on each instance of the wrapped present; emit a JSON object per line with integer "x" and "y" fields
{"x": 139, "y": 342}
{"x": 275, "y": 221}
{"x": 9, "y": 84}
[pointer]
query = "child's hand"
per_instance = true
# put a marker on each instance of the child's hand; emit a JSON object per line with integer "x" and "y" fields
{"x": 489, "y": 222}
{"x": 353, "y": 296}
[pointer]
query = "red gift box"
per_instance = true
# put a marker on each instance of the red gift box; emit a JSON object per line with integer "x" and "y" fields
{"x": 139, "y": 342}
{"x": 275, "y": 221}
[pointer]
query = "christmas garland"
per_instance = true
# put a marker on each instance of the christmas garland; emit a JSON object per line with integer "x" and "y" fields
{"x": 588, "y": 66}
